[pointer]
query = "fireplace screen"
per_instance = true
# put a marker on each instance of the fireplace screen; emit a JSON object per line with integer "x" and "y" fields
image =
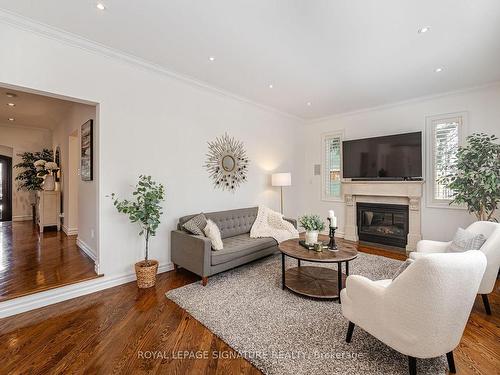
{"x": 383, "y": 223}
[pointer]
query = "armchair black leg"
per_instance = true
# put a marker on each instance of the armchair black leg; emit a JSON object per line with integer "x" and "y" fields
{"x": 486, "y": 303}
{"x": 451, "y": 362}
{"x": 350, "y": 330}
{"x": 412, "y": 365}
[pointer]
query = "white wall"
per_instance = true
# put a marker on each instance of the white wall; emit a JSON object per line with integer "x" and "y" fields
{"x": 154, "y": 124}
{"x": 483, "y": 106}
{"x": 22, "y": 139}
{"x": 86, "y": 207}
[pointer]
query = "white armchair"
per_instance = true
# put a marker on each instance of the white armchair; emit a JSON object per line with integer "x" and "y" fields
{"x": 491, "y": 248}
{"x": 423, "y": 312}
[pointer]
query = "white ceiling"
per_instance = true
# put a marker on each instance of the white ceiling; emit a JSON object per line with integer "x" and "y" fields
{"x": 32, "y": 110}
{"x": 340, "y": 55}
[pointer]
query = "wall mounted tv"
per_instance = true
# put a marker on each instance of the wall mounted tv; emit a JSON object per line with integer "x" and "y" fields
{"x": 396, "y": 157}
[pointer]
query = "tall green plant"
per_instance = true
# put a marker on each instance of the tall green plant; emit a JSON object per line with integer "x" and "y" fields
{"x": 145, "y": 209}
{"x": 475, "y": 181}
{"x": 29, "y": 178}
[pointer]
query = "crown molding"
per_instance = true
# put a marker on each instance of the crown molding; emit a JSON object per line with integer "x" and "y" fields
{"x": 74, "y": 40}
{"x": 405, "y": 102}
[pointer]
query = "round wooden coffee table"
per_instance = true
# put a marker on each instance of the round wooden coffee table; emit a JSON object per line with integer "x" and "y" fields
{"x": 314, "y": 281}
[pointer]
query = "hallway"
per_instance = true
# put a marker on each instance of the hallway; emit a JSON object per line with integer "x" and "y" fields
{"x": 32, "y": 262}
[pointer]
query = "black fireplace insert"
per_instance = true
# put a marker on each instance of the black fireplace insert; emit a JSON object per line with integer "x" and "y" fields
{"x": 383, "y": 223}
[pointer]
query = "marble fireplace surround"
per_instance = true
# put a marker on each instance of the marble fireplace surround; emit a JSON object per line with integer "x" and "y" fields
{"x": 389, "y": 192}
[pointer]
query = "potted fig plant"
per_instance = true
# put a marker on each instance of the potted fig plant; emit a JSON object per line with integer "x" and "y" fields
{"x": 475, "y": 178}
{"x": 28, "y": 176}
{"x": 313, "y": 225}
{"x": 144, "y": 209}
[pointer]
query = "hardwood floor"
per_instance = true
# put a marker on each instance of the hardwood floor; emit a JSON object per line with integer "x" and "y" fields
{"x": 106, "y": 332}
{"x": 31, "y": 262}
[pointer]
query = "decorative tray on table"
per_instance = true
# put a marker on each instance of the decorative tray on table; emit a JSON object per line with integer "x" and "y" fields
{"x": 311, "y": 247}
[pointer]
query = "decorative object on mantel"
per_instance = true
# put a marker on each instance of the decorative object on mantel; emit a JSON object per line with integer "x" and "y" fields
{"x": 87, "y": 151}
{"x": 145, "y": 210}
{"x": 332, "y": 220}
{"x": 227, "y": 162}
{"x": 475, "y": 181}
{"x": 281, "y": 179}
{"x": 313, "y": 225}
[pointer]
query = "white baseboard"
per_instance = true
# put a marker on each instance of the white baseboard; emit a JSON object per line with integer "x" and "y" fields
{"x": 86, "y": 249}
{"x": 22, "y": 217}
{"x": 49, "y": 297}
{"x": 69, "y": 231}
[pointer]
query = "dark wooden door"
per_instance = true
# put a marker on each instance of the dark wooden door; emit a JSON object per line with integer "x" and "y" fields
{"x": 5, "y": 188}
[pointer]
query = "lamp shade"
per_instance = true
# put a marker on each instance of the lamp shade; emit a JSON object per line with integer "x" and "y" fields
{"x": 281, "y": 179}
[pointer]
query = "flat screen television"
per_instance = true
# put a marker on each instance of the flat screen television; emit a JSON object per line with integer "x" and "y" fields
{"x": 395, "y": 157}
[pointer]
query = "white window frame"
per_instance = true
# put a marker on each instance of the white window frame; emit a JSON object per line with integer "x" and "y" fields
{"x": 429, "y": 154}
{"x": 325, "y": 136}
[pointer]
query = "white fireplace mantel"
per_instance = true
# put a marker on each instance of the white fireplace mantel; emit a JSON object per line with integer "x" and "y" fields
{"x": 389, "y": 192}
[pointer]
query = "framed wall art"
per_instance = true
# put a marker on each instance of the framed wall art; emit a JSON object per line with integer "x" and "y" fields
{"x": 86, "y": 151}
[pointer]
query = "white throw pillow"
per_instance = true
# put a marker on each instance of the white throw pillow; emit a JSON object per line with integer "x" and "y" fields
{"x": 212, "y": 231}
{"x": 465, "y": 240}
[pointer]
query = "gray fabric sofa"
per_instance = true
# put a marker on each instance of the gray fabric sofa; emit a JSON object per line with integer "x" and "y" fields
{"x": 195, "y": 254}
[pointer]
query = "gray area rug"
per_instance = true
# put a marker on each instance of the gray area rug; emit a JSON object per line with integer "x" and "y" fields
{"x": 283, "y": 333}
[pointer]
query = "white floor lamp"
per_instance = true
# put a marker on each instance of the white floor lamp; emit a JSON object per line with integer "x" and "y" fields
{"x": 281, "y": 179}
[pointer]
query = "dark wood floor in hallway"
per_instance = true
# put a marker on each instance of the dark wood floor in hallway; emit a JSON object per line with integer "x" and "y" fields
{"x": 31, "y": 262}
{"x": 105, "y": 332}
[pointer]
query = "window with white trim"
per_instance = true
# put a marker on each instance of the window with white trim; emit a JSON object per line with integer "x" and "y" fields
{"x": 331, "y": 186}
{"x": 445, "y": 135}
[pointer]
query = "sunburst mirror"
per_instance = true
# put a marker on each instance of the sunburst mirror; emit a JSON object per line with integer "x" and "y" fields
{"x": 227, "y": 162}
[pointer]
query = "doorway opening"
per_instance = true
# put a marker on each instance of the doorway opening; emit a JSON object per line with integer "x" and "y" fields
{"x": 5, "y": 188}
{"x": 47, "y": 238}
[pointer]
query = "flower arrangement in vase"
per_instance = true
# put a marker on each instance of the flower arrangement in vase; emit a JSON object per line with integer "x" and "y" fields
{"x": 46, "y": 170}
{"x": 313, "y": 225}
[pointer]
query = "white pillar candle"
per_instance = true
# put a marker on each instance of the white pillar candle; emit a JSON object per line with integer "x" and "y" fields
{"x": 333, "y": 222}
{"x": 331, "y": 214}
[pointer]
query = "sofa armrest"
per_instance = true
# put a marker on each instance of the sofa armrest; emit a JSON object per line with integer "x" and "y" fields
{"x": 191, "y": 252}
{"x": 290, "y": 220}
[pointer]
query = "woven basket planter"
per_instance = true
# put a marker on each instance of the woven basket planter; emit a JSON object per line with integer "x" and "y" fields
{"x": 146, "y": 274}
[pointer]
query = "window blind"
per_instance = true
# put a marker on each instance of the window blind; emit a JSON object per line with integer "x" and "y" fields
{"x": 332, "y": 163}
{"x": 446, "y": 142}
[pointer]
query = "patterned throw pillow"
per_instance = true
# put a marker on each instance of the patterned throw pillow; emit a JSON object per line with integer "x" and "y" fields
{"x": 465, "y": 240}
{"x": 196, "y": 224}
{"x": 213, "y": 233}
{"x": 402, "y": 267}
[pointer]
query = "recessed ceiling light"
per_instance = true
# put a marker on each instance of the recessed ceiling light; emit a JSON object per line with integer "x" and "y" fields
{"x": 424, "y": 30}
{"x": 100, "y": 6}
{"x": 10, "y": 94}
{"x": 271, "y": 86}
{"x": 212, "y": 58}
{"x": 309, "y": 104}
{"x": 438, "y": 70}
{"x": 11, "y": 118}
{"x": 11, "y": 104}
